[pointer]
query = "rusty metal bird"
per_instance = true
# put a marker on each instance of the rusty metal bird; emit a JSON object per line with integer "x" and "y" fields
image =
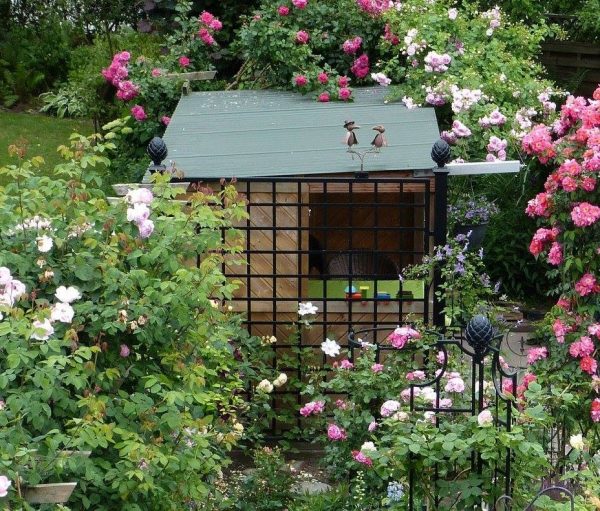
{"x": 379, "y": 141}
{"x": 350, "y": 139}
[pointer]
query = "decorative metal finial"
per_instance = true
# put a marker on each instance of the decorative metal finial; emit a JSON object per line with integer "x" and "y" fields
{"x": 440, "y": 152}
{"x": 479, "y": 334}
{"x": 157, "y": 150}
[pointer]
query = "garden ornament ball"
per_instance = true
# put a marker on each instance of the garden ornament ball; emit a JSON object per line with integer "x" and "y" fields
{"x": 479, "y": 334}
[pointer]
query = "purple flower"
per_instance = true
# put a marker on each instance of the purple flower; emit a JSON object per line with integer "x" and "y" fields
{"x": 124, "y": 351}
{"x": 459, "y": 268}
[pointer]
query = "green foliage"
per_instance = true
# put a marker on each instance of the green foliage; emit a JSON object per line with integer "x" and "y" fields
{"x": 32, "y": 59}
{"x": 266, "y": 487}
{"x": 143, "y": 375}
{"x": 272, "y": 56}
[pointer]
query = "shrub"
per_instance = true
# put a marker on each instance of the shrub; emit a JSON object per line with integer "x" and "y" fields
{"x": 114, "y": 341}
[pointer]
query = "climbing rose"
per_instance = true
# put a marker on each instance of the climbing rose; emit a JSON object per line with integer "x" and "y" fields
{"x": 343, "y": 81}
{"x": 138, "y": 213}
{"x": 206, "y": 17}
{"x": 584, "y": 347}
{"x": 300, "y": 4}
{"x": 588, "y": 365}
{"x": 362, "y": 458}
{"x": 555, "y": 256}
{"x": 587, "y": 285}
{"x": 312, "y": 408}
{"x": 595, "y": 410}
{"x": 381, "y": 79}
{"x": 452, "y": 14}
{"x": 206, "y": 37}
{"x": 460, "y": 130}
{"x": 300, "y": 80}
{"x": 334, "y": 432}
{"x": 389, "y": 407}
{"x": 351, "y": 46}
{"x": 67, "y": 294}
{"x": 283, "y": 10}
{"x": 344, "y": 93}
{"x": 124, "y": 351}
{"x": 302, "y": 37}
{"x": 139, "y": 196}
{"x": 146, "y": 228}
{"x": 401, "y": 335}
{"x": 535, "y": 354}
{"x": 44, "y": 243}
{"x": 4, "y": 486}
{"x": 322, "y": 77}
{"x": 374, "y": 7}
{"x": 323, "y": 97}
{"x": 156, "y": 72}
{"x": 42, "y": 330}
{"x": 165, "y": 119}
{"x": 127, "y": 90}
{"x": 138, "y": 113}
{"x": 585, "y": 214}
{"x": 538, "y": 142}
{"x": 377, "y": 368}
{"x": 62, "y": 312}
{"x": 455, "y": 385}
{"x": 346, "y": 364}
{"x": 538, "y": 206}
{"x": 184, "y": 61}
{"x": 485, "y": 418}
{"x": 360, "y": 67}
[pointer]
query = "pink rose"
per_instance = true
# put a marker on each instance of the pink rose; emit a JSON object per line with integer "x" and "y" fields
{"x": 165, "y": 120}
{"x": 156, "y": 72}
{"x": 361, "y": 458}
{"x": 184, "y": 61}
{"x": 343, "y": 81}
{"x": 344, "y": 93}
{"x": 138, "y": 113}
{"x": 300, "y": 80}
{"x": 283, "y": 10}
{"x": 300, "y": 4}
{"x": 323, "y": 78}
{"x": 302, "y": 37}
{"x": 124, "y": 352}
{"x": 335, "y": 433}
{"x": 377, "y": 368}
{"x": 323, "y": 97}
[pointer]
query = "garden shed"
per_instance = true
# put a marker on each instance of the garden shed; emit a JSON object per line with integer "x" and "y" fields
{"x": 318, "y": 229}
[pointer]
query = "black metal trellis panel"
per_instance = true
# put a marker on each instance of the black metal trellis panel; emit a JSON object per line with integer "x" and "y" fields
{"x": 502, "y": 474}
{"x": 383, "y": 222}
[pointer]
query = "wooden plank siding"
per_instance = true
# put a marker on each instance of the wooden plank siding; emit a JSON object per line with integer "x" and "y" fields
{"x": 573, "y": 62}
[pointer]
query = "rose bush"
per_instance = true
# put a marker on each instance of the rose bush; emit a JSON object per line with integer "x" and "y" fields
{"x": 568, "y": 212}
{"x": 362, "y": 413}
{"x": 113, "y": 339}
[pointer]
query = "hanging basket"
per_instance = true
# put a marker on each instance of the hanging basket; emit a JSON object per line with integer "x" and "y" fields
{"x": 477, "y": 234}
{"x": 54, "y": 493}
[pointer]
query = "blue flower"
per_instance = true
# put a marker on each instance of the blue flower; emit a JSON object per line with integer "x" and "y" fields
{"x": 395, "y": 491}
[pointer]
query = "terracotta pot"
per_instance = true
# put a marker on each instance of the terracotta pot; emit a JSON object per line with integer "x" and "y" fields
{"x": 53, "y": 493}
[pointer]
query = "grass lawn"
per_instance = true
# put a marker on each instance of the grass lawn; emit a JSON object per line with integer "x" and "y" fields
{"x": 43, "y": 134}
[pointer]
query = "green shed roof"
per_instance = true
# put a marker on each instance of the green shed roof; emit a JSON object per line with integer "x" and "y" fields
{"x": 274, "y": 133}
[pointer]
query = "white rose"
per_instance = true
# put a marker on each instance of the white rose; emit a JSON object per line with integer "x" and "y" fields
{"x": 44, "y": 243}
{"x": 368, "y": 447}
{"x": 485, "y": 418}
{"x": 67, "y": 294}
{"x": 576, "y": 442}
{"x": 280, "y": 380}
{"x": 5, "y": 277}
{"x": 42, "y": 330}
{"x": 330, "y": 348}
{"x": 138, "y": 213}
{"x": 62, "y": 312}
{"x": 265, "y": 386}
{"x": 400, "y": 416}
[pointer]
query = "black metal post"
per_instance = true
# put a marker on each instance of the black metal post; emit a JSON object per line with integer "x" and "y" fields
{"x": 439, "y": 237}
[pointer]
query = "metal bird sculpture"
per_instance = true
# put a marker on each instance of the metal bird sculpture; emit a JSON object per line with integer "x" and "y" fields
{"x": 350, "y": 139}
{"x": 379, "y": 141}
